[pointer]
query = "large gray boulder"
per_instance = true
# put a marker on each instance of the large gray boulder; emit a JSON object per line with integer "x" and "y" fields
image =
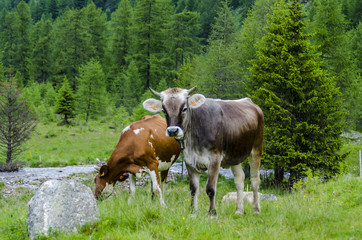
{"x": 61, "y": 205}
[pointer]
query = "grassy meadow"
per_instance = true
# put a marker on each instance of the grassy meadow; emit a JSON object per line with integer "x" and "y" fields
{"x": 317, "y": 211}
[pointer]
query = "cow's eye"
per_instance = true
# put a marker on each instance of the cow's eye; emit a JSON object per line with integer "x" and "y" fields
{"x": 184, "y": 109}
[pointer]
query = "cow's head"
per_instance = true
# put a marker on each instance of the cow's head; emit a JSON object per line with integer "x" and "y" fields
{"x": 103, "y": 177}
{"x": 176, "y": 103}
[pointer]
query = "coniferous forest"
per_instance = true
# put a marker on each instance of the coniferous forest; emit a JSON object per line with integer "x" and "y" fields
{"x": 300, "y": 61}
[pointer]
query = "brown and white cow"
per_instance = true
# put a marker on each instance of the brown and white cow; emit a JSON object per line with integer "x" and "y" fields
{"x": 216, "y": 133}
{"x": 142, "y": 148}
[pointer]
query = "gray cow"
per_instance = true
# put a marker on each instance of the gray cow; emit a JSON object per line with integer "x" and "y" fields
{"x": 216, "y": 133}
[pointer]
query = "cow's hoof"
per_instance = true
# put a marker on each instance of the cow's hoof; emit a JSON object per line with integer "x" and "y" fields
{"x": 213, "y": 217}
{"x": 238, "y": 212}
{"x": 256, "y": 212}
{"x": 163, "y": 205}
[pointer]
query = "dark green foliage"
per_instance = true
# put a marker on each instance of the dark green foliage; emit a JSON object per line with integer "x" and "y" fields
{"x": 23, "y": 44}
{"x": 17, "y": 122}
{"x": 121, "y": 41}
{"x": 71, "y": 45}
{"x": 218, "y": 74}
{"x": 132, "y": 87}
{"x": 302, "y": 111}
{"x": 329, "y": 27}
{"x": 184, "y": 44}
{"x": 41, "y": 68}
{"x": 65, "y": 102}
{"x": 91, "y": 93}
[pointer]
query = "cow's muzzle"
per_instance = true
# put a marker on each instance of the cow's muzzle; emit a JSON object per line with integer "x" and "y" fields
{"x": 175, "y": 132}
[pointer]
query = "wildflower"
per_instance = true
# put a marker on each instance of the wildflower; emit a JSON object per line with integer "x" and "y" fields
{"x": 183, "y": 218}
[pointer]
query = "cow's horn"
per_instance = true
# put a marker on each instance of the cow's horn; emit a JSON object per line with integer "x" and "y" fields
{"x": 191, "y": 90}
{"x": 157, "y": 94}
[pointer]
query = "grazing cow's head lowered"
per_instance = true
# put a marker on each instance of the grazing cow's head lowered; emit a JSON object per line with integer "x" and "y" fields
{"x": 103, "y": 178}
{"x": 176, "y": 104}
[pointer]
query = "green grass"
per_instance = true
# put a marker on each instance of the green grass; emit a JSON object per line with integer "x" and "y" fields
{"x": 318, "y": 211}
{"x": 321, "y": 211}
{"x": 53, "y": 146}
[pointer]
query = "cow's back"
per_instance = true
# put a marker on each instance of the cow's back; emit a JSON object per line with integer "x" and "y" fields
{"x": 230, "y": 127}
{"x": 146, "y": 138}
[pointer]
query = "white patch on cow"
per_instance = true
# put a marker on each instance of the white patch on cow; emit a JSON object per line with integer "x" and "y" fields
{"x": 137, "y": 131}
{"x": 152, "y": 136}
{"x": 142, "y": 172}
{"x": 150, "y": 143}
{"x": 162, "y": 166}
{"x": 125, "y": 129}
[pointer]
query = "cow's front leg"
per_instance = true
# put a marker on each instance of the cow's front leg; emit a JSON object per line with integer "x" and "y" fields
{"x": 194, "y": 186}
{"x": 214, "y": 168}
{"x": 132, "y": 188}
{"x": 239, "y": 177}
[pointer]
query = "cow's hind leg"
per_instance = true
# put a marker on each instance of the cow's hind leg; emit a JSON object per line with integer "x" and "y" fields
{"x": 132, "y": 188}
{"x": 239, "y": 177}
{"x": 155, "y": 185}
{"x": 194, "y": 187}
{"x": 255, "y": 178}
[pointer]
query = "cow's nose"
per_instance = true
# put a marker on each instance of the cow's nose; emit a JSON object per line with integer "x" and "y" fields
{"x": 172, "y": 131}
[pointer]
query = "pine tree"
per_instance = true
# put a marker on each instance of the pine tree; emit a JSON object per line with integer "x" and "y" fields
{"x": 24, "y": 45}
{"x": 65, "y": 102}
{"x": 251, "y": 33}
{"x": 95, "y": 21}
{"x": 17, "y": 122}
{"x": 9, "y": 39}
{"x": 71, "y": 46}
{"x": 300, "y": 103}
{"x": 40, "y": 68}
{"x": 217, "y": 70}
{"x": 132, "y": 87}
{"x": 122, "y": 37}
{"x": 184, "y": 42}
{"x": 91, "y": 93}
{"x": 151, "y": 30}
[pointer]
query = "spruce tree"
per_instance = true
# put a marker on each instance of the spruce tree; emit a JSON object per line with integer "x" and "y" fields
{"x": 17, "y": 122}
{"x": 300, "y": 102}
{"x": 65, "y": 102}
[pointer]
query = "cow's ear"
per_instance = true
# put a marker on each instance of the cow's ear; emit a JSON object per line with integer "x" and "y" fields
{"x": 196, "y": 100}
{"x": 103, "y": 171}
{"x": 152, "y": 105}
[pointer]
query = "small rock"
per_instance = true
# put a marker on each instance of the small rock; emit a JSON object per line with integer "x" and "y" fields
{"x": 268, "y": 197}
{"x": 231, "y": 197}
